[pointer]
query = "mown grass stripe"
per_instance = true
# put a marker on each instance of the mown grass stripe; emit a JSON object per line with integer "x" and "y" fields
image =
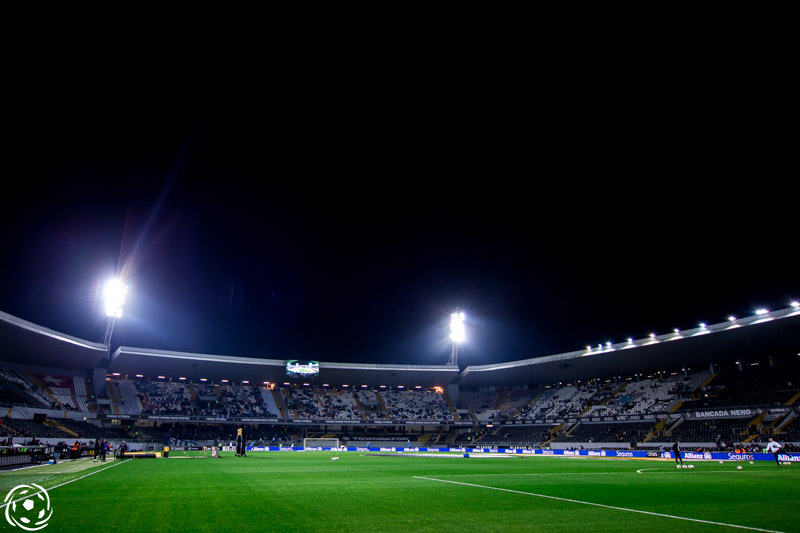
{"x": 115, "y": 463}
{"x": 662, "y": 515}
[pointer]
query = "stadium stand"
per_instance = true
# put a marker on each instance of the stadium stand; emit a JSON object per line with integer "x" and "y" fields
{"x": 26, "y": 386}
{"x": 415, "y": 405}
{"x": 713, "y": 407}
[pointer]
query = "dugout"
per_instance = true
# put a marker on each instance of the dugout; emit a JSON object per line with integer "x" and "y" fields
{"x": 18, "y": 456}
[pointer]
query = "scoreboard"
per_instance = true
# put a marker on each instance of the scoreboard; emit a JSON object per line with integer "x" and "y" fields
{"x": 302, "y": 369}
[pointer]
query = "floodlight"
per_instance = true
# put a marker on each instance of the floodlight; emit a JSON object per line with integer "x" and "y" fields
{"x": 114, "y": 292}
{"x": 457, "y": 335}
{"x": 761, "y": 311}
{"x": 457, "y": 330}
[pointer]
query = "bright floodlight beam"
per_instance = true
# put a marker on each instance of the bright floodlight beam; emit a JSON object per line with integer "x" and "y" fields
{"x": 114, "y": 293}
{"x": 457, "y": 335}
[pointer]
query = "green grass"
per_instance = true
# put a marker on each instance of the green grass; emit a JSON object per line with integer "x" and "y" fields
{"x": 288, "y": 491}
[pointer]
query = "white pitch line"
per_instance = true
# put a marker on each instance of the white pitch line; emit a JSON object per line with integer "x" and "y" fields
{"x": 598, "y": 505}
{"x": 544, "y": 474}
{"x": 65, "y": 483}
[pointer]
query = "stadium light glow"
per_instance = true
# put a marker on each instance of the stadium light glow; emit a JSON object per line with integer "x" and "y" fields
{"x": 458, "y": 335}
{"x": 762, "y": 311}
{"x": 457, "y": 330}
{"x": 114, "y": 293}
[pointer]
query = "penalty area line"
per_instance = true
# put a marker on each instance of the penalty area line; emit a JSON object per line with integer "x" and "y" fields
{"x": 115, "y": 463}
{"x": 650, "y": 513}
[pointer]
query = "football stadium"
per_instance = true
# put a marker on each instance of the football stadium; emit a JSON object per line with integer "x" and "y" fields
{"x": 530, "y": 284}
{"x": 143, "y": 439}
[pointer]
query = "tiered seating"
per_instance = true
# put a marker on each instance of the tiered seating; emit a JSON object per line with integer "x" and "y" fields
{"x": 482, "y": 402}
{"x": 31, "y": 428}
{"x": 269, "y": 403}
{"x": 516, "y": 398}
{"x": 69, "y": 391}
{"x": 370, "y": 404}
{"x": 131, "y": 402}
{"x": 9, "y": 396}
{"x": 338, "y": 405}
{"x": 754, "y": 386}
{"x": 416, "y": 405}
{"x": 651, "y": 395}
{"x": 539, "y": 407}
{"x": 532, "y": 435}
{"x": 26, "y": 384}
{"x": 569, "y": 401}
{"x": 164, "y": 397}
{"x": 87, "y": 430}
{"x": 303, "y": 402}
{"x": 726, "y": 431}
{"x": 608, "y": 432}
{"x": 241, "y": 400}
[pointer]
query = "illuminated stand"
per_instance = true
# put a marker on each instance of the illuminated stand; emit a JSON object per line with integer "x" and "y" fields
{"x": 457, "y": 335}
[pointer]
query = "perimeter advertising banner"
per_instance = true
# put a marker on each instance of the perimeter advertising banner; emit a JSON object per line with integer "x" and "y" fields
{"x": 629, "y": 454}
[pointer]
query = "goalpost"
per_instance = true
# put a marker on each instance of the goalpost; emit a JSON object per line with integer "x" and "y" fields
{"x": 320, "y": 443}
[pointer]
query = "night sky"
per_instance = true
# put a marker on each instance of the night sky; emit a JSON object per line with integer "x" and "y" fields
{"x": 348, "y": 227}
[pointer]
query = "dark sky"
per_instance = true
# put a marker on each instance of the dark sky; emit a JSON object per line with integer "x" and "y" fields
{"x": 347, "y": 227}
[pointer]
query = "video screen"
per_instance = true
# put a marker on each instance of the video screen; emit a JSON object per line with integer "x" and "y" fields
{"x": 302, "y": 369}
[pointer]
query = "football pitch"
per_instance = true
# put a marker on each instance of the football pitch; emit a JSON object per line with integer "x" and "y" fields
{"x": 307, "y": 491}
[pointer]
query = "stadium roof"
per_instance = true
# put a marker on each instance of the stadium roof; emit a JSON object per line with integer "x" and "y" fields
{"x": 26, "y": 343}
{"x": 153, "y": 363}
{"x": 776, "y": 333}
{"x": 773, "y": 333}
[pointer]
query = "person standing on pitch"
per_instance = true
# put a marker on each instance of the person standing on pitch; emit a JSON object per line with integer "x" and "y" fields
{"x": 676, "y": 448}
{"x": 773, "y": 448}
